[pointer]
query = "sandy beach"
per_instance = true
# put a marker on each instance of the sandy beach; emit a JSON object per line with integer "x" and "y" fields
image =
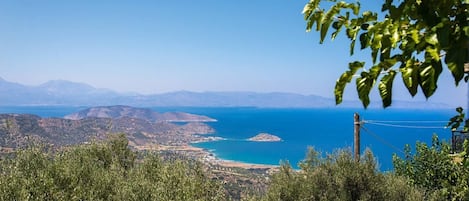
{"x": 228, "y": 163}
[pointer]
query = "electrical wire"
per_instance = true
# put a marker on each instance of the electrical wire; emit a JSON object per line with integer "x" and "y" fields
{"x": 407, "y": 121}
{"x": 377, "y": 137}
{"x": 403, "y": 126}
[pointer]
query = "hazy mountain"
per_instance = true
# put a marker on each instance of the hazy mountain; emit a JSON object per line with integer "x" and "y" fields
{"x": 120, "y": 111}
{"x": 232, "y": 99}
{"x": 57, "y": 92}
{"x": 61, "y": 92}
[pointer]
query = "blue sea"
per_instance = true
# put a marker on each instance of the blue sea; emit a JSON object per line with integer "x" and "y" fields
{"x": 385, "y": 131}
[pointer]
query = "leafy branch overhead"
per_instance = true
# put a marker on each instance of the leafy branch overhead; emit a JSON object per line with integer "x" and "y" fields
{"x": 413, "y": 37}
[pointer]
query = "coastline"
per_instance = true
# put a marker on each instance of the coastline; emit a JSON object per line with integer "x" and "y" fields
{"x": 211, "y": 158}
{"x": 205, "y": 156}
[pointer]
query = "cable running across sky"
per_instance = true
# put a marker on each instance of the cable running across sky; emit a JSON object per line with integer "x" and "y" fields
{"x": 377, "y": 137}
{"x": 405, "y": 124}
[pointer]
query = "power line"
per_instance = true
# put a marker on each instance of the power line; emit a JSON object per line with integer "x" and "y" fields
{"x": 382, "y": 140}
{"x": 407, "y": 121}
{"x": 404, "y": 126}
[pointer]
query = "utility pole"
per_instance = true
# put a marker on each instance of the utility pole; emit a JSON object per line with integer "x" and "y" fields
{"x": 356, "y": 136}
{"x": 466, "y": 71}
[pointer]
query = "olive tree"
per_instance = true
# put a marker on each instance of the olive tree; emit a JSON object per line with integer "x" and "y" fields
{"x": 413, "y": 38}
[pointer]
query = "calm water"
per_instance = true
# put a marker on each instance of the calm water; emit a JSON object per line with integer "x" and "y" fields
{"x": 324, "y": 129}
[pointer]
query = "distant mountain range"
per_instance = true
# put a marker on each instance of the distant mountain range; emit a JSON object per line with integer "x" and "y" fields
{"x": 61, "y": 92}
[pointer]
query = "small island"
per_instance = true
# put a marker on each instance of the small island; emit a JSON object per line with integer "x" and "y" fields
{"x": 265, "y": 137}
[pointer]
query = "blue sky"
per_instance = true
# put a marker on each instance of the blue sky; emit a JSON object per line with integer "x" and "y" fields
{"x": 161, "y": 46}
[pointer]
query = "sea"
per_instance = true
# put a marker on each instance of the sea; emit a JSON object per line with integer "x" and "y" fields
{"x": 384, "y": 131}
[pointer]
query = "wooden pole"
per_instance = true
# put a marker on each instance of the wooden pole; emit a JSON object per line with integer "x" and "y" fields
{"x": 466, "y": 70}
{"x": 356, "y": 136}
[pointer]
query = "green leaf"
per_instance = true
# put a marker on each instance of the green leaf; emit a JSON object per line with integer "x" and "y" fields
{"x": 455, "y": 59}
{"x": 364, "y": 84}
{"x": 386, "y": 45}
{"x": 355, "y": 8}
{"x": 375, "y": 71}
{"x": 364, "y": 40}
{"x": 337, "y": 25}
{"x": 340, "y": 87}
{"x": 385, "y": 55}
{"x": 309, "y": 24}
{"x": 395, "y": 38}
{"x": 443, "y": 35}
{"x": 324, "y": 28}
{"x": 354, "y": 66}
{"x": 376, "y": 42}
{"x": 431, "y": 39}
{"x": 459, "y": 110}
{"x": 374, "y": 55}
{"x": 307, "y": 10}
{"x": 328, "y": 19}
{"x": 433, "y": 53}
{"x": 409, "y": 74}
{"x": 345, "y": 78}
{"x": 415, "y": 35}
{"x": 352, "y": 35}
{"x": 352, "y": 47}
{"x": 428, "y": 78}
{"x": 388, "y": 63}
{"x": 385, "y": 88}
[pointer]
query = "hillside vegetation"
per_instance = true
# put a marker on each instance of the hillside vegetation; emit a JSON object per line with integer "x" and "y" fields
{"x": 103, "y": 171}
{"x": 109, "y": 170}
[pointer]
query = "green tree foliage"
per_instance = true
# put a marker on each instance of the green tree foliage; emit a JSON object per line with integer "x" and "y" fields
{"x": 442, "y": 175}
{"x": 102, "y": 171}
{"x": 338, "y": 177}
{"x": 413, "y": 37}
{"x": 458, "y": 120}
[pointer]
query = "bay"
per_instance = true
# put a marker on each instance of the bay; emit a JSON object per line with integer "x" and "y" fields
{"x": 325, "y": 129}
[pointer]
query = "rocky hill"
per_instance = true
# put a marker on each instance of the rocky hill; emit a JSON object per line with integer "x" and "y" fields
{"x": 18, "y": 130}
{"x": 120, "y": 111}
{"x": 265, "y": 137}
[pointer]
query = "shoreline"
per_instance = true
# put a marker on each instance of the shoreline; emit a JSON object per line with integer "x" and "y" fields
{"x": 212, "y": 159}
{"x": 205, "y": 156}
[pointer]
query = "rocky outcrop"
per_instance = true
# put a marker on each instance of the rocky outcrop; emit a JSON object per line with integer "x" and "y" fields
{"x": 265, "y": 137}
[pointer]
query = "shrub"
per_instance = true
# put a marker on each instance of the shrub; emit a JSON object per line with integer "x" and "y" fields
{"x": 442, "y": 175}
{"x": 338, "y": 177}
{"x": 102, "y": 171}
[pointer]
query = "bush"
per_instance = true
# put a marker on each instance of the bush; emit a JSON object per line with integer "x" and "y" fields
{"x": 338, "y": 177}
{"x": 442, "y": 175}
{"x": 102, "y": 171}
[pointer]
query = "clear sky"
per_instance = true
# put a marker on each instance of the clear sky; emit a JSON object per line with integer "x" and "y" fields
{"x": 197, "y": 45}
